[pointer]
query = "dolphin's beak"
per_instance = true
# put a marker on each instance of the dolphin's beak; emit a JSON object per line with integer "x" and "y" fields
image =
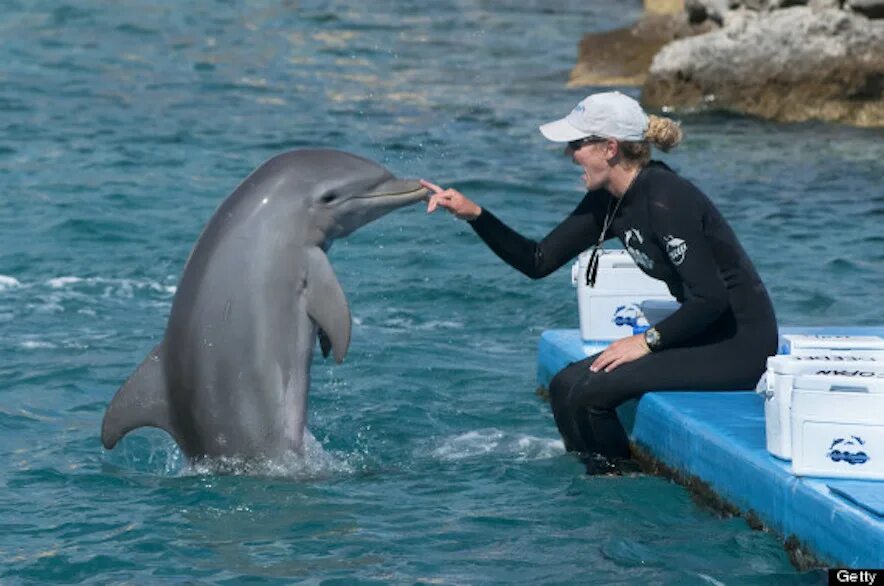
{"x": 409, "y": 190}
{"x": 360, "y": 209}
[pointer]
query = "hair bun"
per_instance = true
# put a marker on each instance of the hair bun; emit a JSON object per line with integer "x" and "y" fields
{"x": 664, "y": 133}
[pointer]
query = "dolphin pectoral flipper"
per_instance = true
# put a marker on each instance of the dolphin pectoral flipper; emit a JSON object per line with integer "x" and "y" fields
{"x": 324, "y": 343}
{"x": 326, "y": 303}
{"x": 141, "y": 401}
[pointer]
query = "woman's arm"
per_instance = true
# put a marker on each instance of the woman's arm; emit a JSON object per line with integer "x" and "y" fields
{"x": 577, "y": 232}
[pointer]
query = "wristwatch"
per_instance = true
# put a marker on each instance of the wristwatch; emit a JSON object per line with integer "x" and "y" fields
{"x": 652, "y": 339}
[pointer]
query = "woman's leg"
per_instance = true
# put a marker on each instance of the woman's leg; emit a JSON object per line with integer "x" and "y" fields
{"x": 583, "y": 401}
{"x": 572, "y": 427}
{"x": 588, "y": 430}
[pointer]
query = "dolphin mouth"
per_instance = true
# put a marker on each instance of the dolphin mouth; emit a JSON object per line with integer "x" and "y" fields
{"x": 398, "y": 188}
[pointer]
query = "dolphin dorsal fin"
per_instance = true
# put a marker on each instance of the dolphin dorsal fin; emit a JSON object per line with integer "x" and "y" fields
{"x": 326, "y": 303}
{"x": 142, "y": 401}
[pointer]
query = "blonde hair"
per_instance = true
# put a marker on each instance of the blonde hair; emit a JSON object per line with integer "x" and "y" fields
{"x": 664, "y": 133}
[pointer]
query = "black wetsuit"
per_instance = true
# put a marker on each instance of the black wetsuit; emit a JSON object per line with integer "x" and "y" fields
{"x": 718, "y": 339}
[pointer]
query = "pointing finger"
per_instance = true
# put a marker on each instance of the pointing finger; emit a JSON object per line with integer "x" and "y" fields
{"x": 435, "y": 188}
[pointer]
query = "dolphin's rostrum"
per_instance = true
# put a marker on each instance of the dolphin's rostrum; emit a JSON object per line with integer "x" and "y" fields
{"x": 231, "y": 376}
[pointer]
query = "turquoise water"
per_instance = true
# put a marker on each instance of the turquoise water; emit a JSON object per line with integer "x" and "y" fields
{"x": 123, "y": 126}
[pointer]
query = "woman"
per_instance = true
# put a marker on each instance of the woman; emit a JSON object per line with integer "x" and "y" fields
{"x": 721, "y": 335}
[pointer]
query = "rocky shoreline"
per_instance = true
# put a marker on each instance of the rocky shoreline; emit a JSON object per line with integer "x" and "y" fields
{"x": 786, "y": 60}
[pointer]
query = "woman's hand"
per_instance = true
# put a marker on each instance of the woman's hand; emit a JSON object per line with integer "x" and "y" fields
{"x": 452, "y": 200}
{"x": 620, "y": 352}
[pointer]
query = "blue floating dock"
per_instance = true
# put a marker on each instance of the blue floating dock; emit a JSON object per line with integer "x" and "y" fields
{"x": 719, "y": 439}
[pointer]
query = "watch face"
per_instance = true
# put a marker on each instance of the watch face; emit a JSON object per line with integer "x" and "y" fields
{"x": 652, "y": 338}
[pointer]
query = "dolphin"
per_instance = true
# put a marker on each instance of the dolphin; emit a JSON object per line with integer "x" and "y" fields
{"x": 231, "y": 375}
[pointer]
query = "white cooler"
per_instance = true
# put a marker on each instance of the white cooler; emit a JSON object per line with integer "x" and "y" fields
{"x": 838, "y": 424}
{"x": 777, "y": 383}
{"x": 804, "y": 344}
{"x": 609, "y": 310}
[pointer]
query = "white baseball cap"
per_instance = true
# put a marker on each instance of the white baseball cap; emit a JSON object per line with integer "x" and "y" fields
{"x": 607, "y": 114}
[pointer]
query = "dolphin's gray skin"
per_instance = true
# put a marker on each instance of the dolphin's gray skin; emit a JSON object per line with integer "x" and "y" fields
{"x": 231, "y": 376}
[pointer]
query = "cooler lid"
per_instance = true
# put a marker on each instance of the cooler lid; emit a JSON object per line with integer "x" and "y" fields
{"x": 841, "y": 380}
{"x": 788, "y": 364}
{"x": 833, "y": 341}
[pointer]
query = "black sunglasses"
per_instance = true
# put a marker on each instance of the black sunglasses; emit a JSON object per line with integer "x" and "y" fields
{"x": 575, "y": 145}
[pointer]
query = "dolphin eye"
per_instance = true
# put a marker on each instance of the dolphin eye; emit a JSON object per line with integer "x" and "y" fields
{"x": 329, "y": 197}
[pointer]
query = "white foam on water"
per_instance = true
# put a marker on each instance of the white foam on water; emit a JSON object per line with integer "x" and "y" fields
{"x": 710, "y": 580}
{"x": 157, "y": 453}
{"x": 36, "y": 344}
{"x": 84, "y": 295}
{"x": 152, "y": 452}
{"x": 62, "y": 282}
{"x": 108, "y": 288}
{"x": 440, "y": 325}
{"x": 494, "y": 441}
{"x": 8, "y": 283}
{"x": 408, "y": 323}
{"x": 539, "y": 448}
{"x": 315, "y": 463}
{"x": 469, "y": 445}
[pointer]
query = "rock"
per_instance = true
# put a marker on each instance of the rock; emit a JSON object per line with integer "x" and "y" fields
{"x": 765, "y": 5}
{"x": 700, "y": 10}
{"x": 622, "y": 56}
{"x": 870, "y": 8}
{"x": 664, "y": 6}
{"x": 823, "y": 4}
{"x": 792, "y": 64}
{"x": 777, "y": 4}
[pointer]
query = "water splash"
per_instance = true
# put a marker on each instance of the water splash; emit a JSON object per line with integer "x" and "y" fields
{"x": 154, "y": 452}
{"x": 8, "y": 283}
{"x": 316, "y": 463}
{"x": 477, "y": 443}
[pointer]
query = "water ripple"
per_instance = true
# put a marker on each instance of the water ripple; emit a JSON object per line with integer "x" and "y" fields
{"x": 122, "y": 130}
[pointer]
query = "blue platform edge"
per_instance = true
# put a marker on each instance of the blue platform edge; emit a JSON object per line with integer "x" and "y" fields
{"x": 719, "y": 438}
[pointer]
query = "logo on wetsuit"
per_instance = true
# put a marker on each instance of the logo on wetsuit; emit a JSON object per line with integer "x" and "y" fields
{"x": 676, "y": 248}
{"x": 640, "y": 258}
